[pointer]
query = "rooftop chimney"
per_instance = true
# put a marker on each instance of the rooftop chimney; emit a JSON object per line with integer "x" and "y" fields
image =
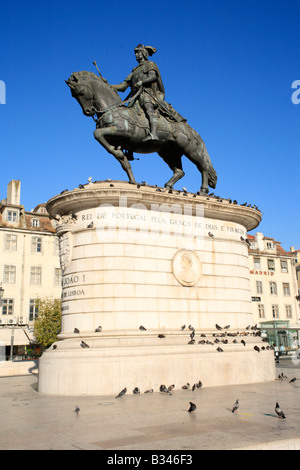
{"x": 14, "y": 192}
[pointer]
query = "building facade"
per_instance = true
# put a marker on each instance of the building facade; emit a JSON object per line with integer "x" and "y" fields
{"x": 29, "y": 259}
{"x": 274, "y": 287}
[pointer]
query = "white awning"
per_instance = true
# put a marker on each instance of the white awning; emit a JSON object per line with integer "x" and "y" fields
{"x": 21, "y": 336}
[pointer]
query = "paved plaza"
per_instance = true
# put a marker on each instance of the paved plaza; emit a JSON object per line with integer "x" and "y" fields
{"x": 30, "y": 420}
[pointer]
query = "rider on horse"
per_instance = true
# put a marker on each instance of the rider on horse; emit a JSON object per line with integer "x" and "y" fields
{"x": 146, "y": 78}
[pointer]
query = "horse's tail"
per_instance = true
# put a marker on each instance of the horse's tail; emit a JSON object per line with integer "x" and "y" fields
{"x": 212, "y": 177}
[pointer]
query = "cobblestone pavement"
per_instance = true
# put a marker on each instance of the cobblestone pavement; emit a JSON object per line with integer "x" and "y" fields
{"x": 154, "y": 421}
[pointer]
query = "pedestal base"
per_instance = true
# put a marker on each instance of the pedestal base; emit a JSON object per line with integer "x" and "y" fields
{"x": 140, "y": 255}
{"x": 146, "y": 361}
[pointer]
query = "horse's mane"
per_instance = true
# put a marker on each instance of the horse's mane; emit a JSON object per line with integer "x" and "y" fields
{"x": 84, "y": 74}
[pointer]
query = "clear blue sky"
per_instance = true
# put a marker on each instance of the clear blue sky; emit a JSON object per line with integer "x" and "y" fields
{"x": 227, "y": 66}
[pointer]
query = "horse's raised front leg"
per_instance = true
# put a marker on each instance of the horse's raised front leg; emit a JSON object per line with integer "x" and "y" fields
{"x": 100, "y": 135}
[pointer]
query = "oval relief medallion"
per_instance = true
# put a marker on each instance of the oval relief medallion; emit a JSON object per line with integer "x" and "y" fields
{"x": 187, "y": 267}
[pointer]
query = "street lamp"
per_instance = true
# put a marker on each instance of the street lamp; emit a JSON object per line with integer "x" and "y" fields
{"x": 1, "y": 292}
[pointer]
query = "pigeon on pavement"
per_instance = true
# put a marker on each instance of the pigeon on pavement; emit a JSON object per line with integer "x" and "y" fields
{"x": 279, "y": 411}
{"x": 122, "y": 393}
{"x": 192, "y": 407}
{"x": 235, "y": 406}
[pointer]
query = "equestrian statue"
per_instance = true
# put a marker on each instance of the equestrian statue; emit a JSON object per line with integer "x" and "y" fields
{"x": 144, "y": 122}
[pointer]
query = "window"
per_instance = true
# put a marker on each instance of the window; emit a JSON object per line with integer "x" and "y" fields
{"x": 35, "y": 222}
{"x": 33, "y": 310}
{"x": 269, "y": 246}
{"x": 275, "y": 311}
{"x": 273, "y": 288}
{"x": 259, "y": 287}
{"x": 271, "y": 265}
{"x": 284, "y": 266}
{"x": 261, "y": 311}
{"x": 7, "y": 306}
{"x": 286, "y": 288}
{"x": 57, "y": 277}
{"x": 10, "y": 242}
{"x": 12, "y": 216}
{"x": 256, "y": 263}
{"x": 36, "y": 245}
{"x": 9, "y": 276}
{"x": 35, "y": 275}
{"x": 288, "y": 311}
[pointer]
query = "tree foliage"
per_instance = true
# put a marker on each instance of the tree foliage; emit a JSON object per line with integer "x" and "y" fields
{"x": 47, "y": 324}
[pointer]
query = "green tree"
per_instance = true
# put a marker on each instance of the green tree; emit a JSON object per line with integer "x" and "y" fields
{"x": 47, "y": 324}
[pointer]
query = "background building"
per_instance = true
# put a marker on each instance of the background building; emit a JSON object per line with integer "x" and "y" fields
{"x": 29, "y": 263}
{"x": 274, "y": 289}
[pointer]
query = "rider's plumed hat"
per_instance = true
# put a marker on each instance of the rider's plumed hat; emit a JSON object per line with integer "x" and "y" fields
{"x": 146, "y": 50}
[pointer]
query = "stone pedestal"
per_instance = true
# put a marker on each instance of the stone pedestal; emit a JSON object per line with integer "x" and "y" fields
{"x": 137, "y": 256}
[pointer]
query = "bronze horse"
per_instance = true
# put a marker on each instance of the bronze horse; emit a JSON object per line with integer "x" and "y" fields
{"x": 121, "y": 130}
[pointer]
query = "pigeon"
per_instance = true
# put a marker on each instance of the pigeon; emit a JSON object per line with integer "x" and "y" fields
{"x": 186, "y": 387}
{"x": 192, "y": 407}
{"x": 199, "y": 384}
{"x": 235, "y": 406}
{"x": 226, "y": 327}
{"x": 81, "y": 186}
{"x": 77, "y": 409}
{"x": 122, "y": 393}
{"x": 218, "y": 327}
{"x": 163, "y": 389}
{"x": 136, "y": 390}
{"x": 256, "y": 348}
{"x": 220, "y": 349}
{"x": 171, "y": 387}
{"x": 76, "y": 330}
{"x": 192, "y": 335}
{"x": 84, "y": 345}
{"x": 161, "y": 336}
{"x": 211, "y": 235}
{"x": 54, "y": 346}
{"x": 64, "y": 191}
{"x": 194, "y": 387}
{"x": 292, "y": 380}
{"x": 209, "y": 342}
{"x": 149, "y": 391}
{"x": 90, "y": 225}
{"x": 98, "y": 330}
{"x": 202, "y": 341}
{"x": 279, "y": 411}
{"x": 243, "y": 342}
{"x": 142, "y": 328}
{"x": 183, "y": 327}
{"x": 191, "y": 327}
{"x": 192, "y": 341}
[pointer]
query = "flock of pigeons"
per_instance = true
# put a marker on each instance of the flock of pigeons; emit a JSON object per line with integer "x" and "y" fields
{"x": 221, "y": 337}
{"x": 167, "y": 390}
{"x": 175, "y": 191}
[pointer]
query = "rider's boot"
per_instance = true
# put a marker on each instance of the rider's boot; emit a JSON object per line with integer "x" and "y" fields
{"x": 153, "y": 121}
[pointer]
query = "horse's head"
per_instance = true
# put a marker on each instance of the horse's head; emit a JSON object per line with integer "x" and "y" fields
{"x": 93, "y": 93}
